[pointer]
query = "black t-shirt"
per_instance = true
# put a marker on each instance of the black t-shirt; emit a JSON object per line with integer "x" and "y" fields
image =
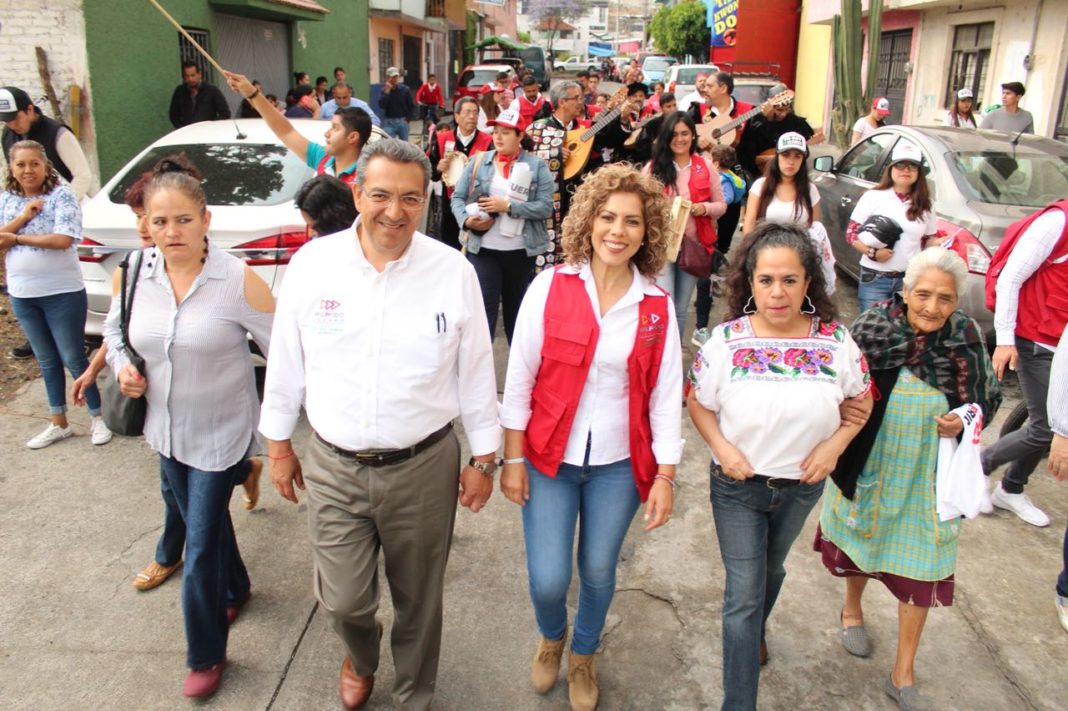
{"x": 762, "y": 134}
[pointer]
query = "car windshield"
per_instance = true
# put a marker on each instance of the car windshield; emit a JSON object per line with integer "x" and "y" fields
{"x": 999, "y": 178}
{"x": 657, "y": 64}
{"x": 475, "y": 78}
{"x": 689, "y": 74}
{"x": 532, "y": 56}
{"x": 234, "y": 173}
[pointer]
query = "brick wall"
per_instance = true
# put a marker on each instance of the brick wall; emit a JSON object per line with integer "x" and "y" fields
{"x": 58, "y": 27}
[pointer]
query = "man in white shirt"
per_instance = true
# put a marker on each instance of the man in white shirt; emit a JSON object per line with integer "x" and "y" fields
{"x": 381, "y": 334}
{"x": 1024, "y": 323}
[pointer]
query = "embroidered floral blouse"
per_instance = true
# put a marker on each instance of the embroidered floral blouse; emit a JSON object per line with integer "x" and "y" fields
{"x": 777, "y": 398}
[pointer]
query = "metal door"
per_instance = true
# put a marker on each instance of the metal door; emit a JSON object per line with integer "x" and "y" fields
{"x": 256, "y": 48}
{"x": 891, "y": 79}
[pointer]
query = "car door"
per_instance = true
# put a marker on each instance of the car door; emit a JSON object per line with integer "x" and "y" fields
{"x": 856, "y": 172}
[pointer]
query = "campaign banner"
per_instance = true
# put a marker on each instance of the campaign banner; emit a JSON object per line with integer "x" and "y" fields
{"x": 723, "y": 22}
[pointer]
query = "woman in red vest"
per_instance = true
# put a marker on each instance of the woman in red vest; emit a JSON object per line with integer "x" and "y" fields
{"x": 687, "y": 174}
{"x": 592, "y": 412}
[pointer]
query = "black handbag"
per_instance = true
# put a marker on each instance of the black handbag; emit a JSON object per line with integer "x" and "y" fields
{"x": 125, "y": 415}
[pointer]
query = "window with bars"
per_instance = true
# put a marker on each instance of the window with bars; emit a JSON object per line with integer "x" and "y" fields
{"x": 970, "y": 60}
{"x": 385, "y": 58}
{"x": 189, "y": 53}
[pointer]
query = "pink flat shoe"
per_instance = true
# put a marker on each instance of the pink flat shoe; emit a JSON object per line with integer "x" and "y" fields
{"x": 202, "y": 683}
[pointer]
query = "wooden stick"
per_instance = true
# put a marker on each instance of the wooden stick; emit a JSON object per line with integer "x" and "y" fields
{"x": 187, "y": 36}
{"x": 46, "y": 82}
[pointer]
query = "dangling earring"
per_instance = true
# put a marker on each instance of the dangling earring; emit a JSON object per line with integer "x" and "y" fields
{"x": 205, "y": 257}
{"x": 808, "y": 308}
{"x": 750, "y": 306}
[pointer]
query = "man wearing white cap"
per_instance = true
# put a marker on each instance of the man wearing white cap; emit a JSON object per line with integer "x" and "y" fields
{"x": 961, "y": 116}
{"x": 871, "y": 121}
{"x": 397, "y": 105}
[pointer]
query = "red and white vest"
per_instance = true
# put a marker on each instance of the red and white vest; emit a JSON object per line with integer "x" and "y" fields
{"x": 571, "y": 334}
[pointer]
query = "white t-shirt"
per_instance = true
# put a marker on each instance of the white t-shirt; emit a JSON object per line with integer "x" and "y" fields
{"x": 864, "y": 128}
{"x": 887, "y": 203}
{"x": 493, "y": 239}
{"x": 785, "y": 213}
{"x": 777, "y": 398}
{"x": 964, "y": 122}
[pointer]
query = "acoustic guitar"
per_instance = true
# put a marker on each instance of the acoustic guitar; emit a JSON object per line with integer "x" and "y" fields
{"x": 764, "y": 156}
{"x": 721, "y": 129}
{"x": 637, "y": 132}
{"x": 579, "y": 141}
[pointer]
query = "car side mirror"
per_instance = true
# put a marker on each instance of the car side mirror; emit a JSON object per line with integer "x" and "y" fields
{"x": 823, "y": 164}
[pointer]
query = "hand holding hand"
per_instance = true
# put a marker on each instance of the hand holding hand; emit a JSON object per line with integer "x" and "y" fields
{"x": 131, "y": 383}
{"x": 77, "y": 388}
{"x": 475, "y": 488}
{"x": 515, "y": 483}
{"x": 949, "y": 425}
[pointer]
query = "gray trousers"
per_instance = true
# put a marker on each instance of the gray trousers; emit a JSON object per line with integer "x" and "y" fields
{"x": 406, "y": 511}
{"x": 1023, "y": 449}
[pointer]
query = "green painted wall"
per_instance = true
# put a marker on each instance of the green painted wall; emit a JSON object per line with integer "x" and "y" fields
{"x": 134, "y": 67}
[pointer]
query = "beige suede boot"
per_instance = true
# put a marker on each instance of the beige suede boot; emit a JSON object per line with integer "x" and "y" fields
{"x": 546, "y": 665}
{"x": 582, "y": 682}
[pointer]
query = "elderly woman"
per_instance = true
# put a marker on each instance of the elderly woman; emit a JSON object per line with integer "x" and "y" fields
{"x": 879, "y": 517}
{"x": 193, "y": 308}
{"x": 40, "y": 227}
{"x": 502, "y": 201}
{"x": 768, "y": 385}
{"x": 591, "y": 412}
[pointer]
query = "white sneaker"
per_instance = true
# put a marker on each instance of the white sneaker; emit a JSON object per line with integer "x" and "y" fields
{"x": 98, "y": 431}
{"x": 51, "y": 435}
{"x": 986, "y": 506}
{"x": 1062, "y": 611}
{"x": 1019, "y": 504}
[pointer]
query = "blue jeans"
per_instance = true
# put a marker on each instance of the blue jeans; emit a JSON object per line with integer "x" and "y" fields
{"x": 396, "y": 128}
{"x": 605, "y": 498}
{"x": 680, "y": 285}
{"x": 214, "y": 575}
{"x": 172, "y": 540}
{"x": 755, "y": 526}
{"x": 878, "y": 287}
{"x": 503, "y": 277}
{"x": 55, "y": 327}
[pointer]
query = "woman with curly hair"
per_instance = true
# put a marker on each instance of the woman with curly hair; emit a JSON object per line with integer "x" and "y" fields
{"x": 767, "y": 387}
{"x": 591, "y": 411}
{"x": 40, "y": 227}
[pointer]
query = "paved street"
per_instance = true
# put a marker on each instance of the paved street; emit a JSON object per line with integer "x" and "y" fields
{"x": 78, "y": 522}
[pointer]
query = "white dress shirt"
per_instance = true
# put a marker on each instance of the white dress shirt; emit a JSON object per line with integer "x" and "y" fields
{"x": 380, "y": 360}
{"x": 1033, "y": 248}
{"x": 603, "y": 408}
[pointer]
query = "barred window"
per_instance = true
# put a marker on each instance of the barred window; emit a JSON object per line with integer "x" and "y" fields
{"x": 189, "y": 53}
{"x": 970, "y": 60}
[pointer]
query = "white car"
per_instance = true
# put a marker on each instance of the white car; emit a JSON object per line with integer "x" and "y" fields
{"x": 250, "y": 179}
{"x": 574, "y": 64}
{"x": 681, "y": 79}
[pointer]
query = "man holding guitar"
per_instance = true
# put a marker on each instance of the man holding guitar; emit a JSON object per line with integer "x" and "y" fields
{"x": 718, "y": 109}
{"x": 757, "y": 145}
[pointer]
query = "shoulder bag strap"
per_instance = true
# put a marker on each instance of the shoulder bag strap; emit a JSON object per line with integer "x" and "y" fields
{"x": 126, "y": 302}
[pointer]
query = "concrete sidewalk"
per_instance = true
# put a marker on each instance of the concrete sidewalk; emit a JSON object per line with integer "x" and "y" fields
{"x": 77, "y": 522}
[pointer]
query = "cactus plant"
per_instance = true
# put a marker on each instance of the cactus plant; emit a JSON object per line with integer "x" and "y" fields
{"x": 851, "y": 98}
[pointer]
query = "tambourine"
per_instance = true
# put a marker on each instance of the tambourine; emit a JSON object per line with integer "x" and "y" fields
{"x": 454, "y": 169}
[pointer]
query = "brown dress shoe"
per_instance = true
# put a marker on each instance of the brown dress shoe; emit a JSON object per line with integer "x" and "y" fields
{"x": 354, "y": 690}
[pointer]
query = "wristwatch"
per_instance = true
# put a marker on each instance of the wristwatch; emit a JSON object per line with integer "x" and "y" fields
{"x": 487, "y": 468}
{"x": 872, "y": 251}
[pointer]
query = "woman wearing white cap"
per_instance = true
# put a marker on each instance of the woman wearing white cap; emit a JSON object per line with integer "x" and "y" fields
{"x": 786, "y": 197}
{"x": 891, "y": 223}
{"x": 871, "y": 121}
{"x": 961, "y": 114}
{"x": 501, "y": 202}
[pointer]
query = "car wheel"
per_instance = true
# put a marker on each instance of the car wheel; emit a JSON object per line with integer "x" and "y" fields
{"x": 1015, "y": 420}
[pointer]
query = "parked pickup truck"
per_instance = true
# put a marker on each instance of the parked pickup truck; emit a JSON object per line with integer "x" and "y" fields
{"x": 573, "y": 64}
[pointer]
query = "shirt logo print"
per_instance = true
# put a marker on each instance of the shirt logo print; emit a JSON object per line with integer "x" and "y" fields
{"x": 328, "y": 304}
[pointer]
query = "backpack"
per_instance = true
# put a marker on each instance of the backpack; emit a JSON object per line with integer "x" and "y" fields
{"x": 1008, "y": 242}
{"x": 737, "y": 183}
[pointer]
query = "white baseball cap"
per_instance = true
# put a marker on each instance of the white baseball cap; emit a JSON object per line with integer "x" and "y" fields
{"x": 508, "y": 118}
{"x": 965, "y": 94}
{"x": 791, "y": 141}
{"x": 392, "y": 72}
{"x": 906, "y": 151}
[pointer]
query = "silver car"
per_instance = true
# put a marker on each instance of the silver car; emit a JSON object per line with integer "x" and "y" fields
{"x": 980, "y": 181}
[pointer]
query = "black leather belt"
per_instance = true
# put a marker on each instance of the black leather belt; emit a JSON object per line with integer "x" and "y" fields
{"x": 768, "y": 481}
{"x": 867, "y": 274}
{"x": 388, "y": 457}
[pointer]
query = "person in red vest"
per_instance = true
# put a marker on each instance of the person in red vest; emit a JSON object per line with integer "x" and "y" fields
{"x": 530, "y": 103}
{"x": 1030, "y": 313}
{"x": 465, "y": 140}
{"x": 592, "y": 412}
{"x": 430, "y": 98}
{"x": 349, "y": 131}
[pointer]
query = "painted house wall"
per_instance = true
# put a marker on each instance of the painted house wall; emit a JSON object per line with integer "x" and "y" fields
{"x": 815, "y": 76}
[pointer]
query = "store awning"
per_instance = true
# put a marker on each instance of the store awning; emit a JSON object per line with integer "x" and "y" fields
{"x": 600, "y": 49}
{"x": 281, "y": 10}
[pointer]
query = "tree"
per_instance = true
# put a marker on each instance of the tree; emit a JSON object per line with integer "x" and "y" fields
{"x": 851, "y": 101}
{"x": 680, "y": 29}
{"x": 550, "y": 16}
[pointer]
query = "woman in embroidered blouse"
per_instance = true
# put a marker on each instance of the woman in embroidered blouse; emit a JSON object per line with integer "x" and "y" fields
{"x": 193, "y": 309}
{"x": 767, "y": 389}
{"x": 591, "y": 412}
{"x": 688, "y": 174}
{"x": 879, "y": 517}
{"x": 40, "y": 227}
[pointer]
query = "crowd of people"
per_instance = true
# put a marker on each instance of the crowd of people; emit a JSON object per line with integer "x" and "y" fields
{"x": 589, "y": 222}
